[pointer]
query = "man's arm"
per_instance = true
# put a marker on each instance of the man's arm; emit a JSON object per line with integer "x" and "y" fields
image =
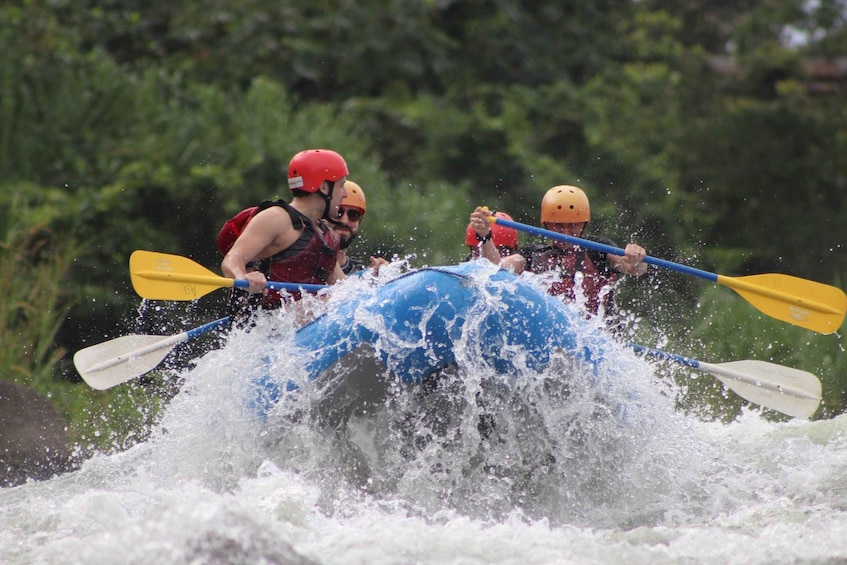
{"x": 336, "y": 275}
{"x": 631, "y": 262}
{"x": 515, "y": 262}
{"x": 266, "y": 234}
{"x": 482, "y": 227}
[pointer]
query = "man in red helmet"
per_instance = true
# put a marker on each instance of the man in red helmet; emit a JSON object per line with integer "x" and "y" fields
{"x": 505, "y": 239}
{"x": 565, "y": 209}
{"x": 292, "y": 242}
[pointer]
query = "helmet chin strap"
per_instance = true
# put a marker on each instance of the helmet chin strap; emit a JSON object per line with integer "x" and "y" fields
{"x": 327, "y": 200}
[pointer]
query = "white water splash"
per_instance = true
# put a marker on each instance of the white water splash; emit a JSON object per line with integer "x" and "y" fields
{"x": 479, "y": 469}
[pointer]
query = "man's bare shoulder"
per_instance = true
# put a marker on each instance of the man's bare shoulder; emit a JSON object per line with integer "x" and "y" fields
{"x": 275, "y": 219}
{"x": 269, "y": 232}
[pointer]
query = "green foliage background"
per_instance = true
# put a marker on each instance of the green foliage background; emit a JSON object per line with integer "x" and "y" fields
{"x": 697, "y": 129}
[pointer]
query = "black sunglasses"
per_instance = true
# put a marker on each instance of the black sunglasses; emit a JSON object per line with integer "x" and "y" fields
{"x": 353, "y": 214}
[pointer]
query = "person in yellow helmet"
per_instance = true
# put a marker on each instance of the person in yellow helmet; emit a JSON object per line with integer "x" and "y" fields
{"x": 352, "y": 209}
{"x": 565, "y": 209}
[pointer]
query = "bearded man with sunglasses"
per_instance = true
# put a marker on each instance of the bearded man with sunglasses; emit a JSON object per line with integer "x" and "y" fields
{"x": 350, "y": 213}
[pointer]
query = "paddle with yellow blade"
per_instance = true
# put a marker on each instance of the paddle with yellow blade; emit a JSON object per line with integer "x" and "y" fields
{"x": 812, "y": 305}
{"x": 162, "y": 276}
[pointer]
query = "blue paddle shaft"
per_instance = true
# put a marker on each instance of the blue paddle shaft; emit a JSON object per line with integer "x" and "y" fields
{"x": 275, "y": 285}
{"x": 693, "y": 363}
{"x": 605, "y": 248}
{"x": 206, "y": 328}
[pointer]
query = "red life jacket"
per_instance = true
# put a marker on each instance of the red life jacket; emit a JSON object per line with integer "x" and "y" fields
{"x": 309, "y": 260}
{"x": 597, "y": 277}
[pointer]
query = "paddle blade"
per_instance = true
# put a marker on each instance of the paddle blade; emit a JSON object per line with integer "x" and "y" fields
{"x": 162, "y": 276}
{"x": 111, "y": 363}
{"x": 790, "y": 391}
{"x": 812, "y": 305}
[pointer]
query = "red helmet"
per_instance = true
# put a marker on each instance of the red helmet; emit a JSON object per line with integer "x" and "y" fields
{"x": 309, "y": 168}
{"x": 501, "y": 235}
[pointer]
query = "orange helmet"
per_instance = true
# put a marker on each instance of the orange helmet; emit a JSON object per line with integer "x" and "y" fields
{"x": 355, "y": 196}
{"x": 565, "y": 205}
{"x": 309, "y": 168}
{"x": 501, "y": 235}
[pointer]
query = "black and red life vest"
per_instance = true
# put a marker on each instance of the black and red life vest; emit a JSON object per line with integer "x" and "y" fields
{"x": 574, "y": 262}
{"x": 309, "y": 260}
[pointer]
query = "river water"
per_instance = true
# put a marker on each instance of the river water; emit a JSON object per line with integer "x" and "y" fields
{"x": 570, "y": 465}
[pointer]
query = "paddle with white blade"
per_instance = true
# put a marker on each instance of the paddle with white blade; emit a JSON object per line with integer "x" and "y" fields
{"x": 790, "y": 391}
{"x": 122, "y": 359}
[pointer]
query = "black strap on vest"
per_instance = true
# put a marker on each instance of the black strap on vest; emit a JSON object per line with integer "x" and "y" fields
{"x": 264, "y": 265}
{"x": 298, "y": 222}
{"x": 296, "y": 217}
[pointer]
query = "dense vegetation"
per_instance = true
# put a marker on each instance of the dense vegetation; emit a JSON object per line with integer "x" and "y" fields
{"x": 705, "y": 130}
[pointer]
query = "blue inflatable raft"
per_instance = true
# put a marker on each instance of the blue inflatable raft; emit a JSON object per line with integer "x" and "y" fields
{"x": 410, "y": 328}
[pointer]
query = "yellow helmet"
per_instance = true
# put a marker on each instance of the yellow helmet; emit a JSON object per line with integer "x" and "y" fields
{"x": 565, "y": 204}
{"x": 355, "y": 196}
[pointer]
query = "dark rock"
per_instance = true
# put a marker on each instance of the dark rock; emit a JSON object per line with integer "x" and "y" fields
{"x": 34, "y": 442}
